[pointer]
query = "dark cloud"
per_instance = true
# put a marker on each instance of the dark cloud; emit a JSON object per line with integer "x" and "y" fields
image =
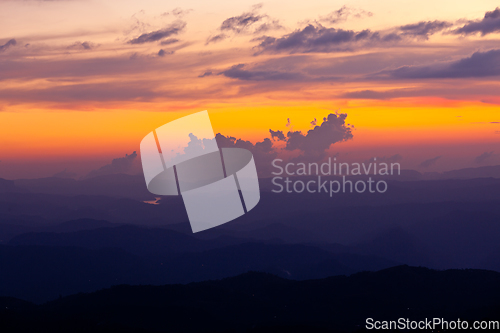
{"x": 172, "y": 29}
{"x": 238, "y": 72}
{"x": 343, "y": 14}
{"x": 489, "y": 24}
{"x": 9, "y": 43}
{"x": 479, "y": 64}
{"x": 169, "y": 41}
{"x": 163, "y": 53}
{"x": 430, "y": 162}
{"x": 277, "y": 135}
{"x": 239, "y": 23}
{"x": 317, "y": 39}
{"x": 388, "y": 38}
{"x": 117, "y": 166}
{"x": 282, "y": 69}
{"x": 483, "y": 157}
{"x": 424, "y": 29}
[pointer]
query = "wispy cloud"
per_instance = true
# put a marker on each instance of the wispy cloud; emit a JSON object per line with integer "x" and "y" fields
{"x": 424, "y": 29}
{"x": 82, "y": 46}
{"x": 343, "y": 14}
{"x": 154, "y": 36}
{"x": 11, "y": 42}
{"x": 239, "y": 72}
{"x": 251, "y": 22}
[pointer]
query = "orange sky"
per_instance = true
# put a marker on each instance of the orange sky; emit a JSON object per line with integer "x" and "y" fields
{"x": 86, "y": 80}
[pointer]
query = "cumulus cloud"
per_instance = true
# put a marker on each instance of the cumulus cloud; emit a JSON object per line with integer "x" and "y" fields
{"x": 9, "y": 43}
{"x": 172, "y": 29}
{"x": 117, "y": 166}
{"x": 484, "y": 157}
{"x": 311, "y": 146}
{"x": 489, "y": 24}
{"x": 424, "y": 29}
{"x": 430, "y": 162}
{"x": 263, "y": 152}
{"x": 277, "y": 135}
{"x": 317, "y": 140}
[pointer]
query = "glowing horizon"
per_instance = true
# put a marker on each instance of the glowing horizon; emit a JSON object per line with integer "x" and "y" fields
{"x": 86, "y": 80}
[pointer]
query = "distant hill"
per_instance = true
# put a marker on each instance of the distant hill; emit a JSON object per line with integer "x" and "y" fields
{"x": 42, "y": 272}
{"x": 80, "y": 224}
{"x": 133, "y": 186}
{"x": 259, "y": 302}
{"x": 8, "y": 186}
{"x": 115, "y": 185}
{"x": 469, "y": 173}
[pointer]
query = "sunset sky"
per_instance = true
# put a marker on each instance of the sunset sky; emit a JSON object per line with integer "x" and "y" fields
{"x": 83, "y": 81}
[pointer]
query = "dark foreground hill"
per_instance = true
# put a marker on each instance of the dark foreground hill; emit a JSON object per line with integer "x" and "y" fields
{"x": 260, "y": 302}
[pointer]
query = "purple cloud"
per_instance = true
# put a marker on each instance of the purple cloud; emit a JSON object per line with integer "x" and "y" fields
{"x": 489, "y": 24}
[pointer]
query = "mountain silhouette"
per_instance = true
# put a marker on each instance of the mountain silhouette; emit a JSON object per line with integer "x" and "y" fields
{"x": 259, "y": 302}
